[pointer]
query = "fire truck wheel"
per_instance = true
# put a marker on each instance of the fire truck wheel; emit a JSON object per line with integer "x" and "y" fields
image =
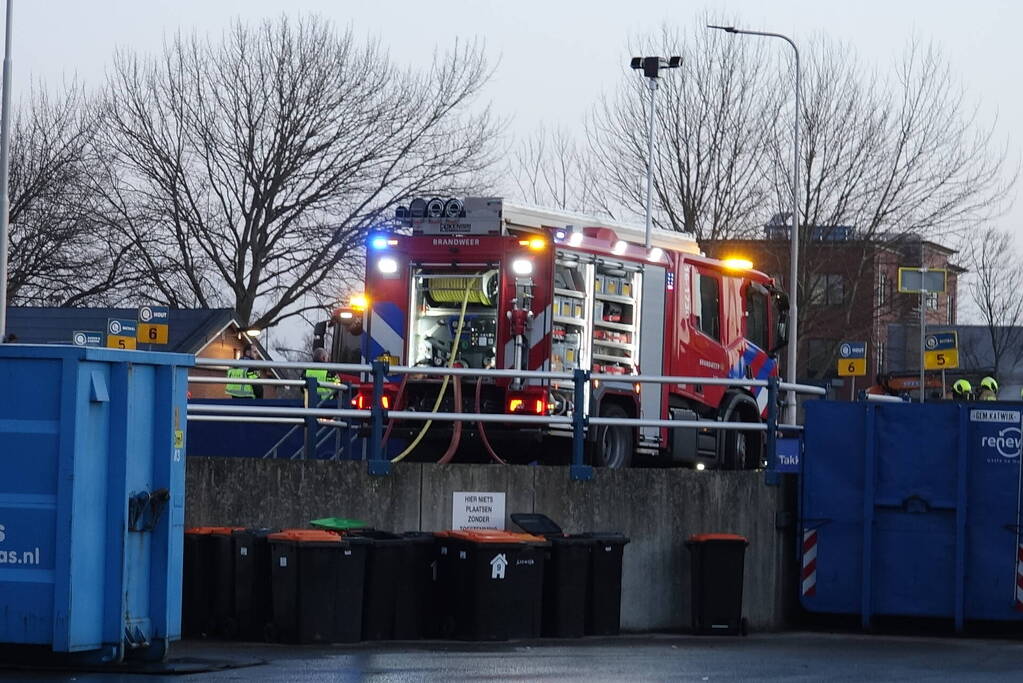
{"x": 741, "y": 450}
{"x": 614, "y": 444}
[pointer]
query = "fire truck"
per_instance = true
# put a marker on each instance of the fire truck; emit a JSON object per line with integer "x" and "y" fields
{"x": 485, "y": 283}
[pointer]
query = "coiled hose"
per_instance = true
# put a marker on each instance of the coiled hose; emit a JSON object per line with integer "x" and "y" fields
{"x": 443, "y": 387}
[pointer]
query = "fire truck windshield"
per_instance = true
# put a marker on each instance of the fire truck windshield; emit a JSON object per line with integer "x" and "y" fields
{"x": 437, "y": 299}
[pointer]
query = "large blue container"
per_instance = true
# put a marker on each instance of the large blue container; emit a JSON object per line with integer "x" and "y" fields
{"x": 912, "y": 510}
{"x": 92, "y": 474}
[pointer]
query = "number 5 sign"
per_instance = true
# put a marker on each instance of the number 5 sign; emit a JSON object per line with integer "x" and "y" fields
{"x": 941, "y": 351}
{"x": 852, "y": 359}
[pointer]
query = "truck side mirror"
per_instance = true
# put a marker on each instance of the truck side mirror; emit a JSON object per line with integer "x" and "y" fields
{"x": 781, "y": 326}
{"x": 319, "y": 334}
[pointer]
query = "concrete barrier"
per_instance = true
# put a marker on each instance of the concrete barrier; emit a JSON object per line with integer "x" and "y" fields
{"x": 658, "y": 509}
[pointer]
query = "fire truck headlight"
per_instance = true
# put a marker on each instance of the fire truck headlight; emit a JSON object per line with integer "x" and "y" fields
{"x": 575, "y": 239}
{"x": 620, "y": 247}
{"x": 655, "y": 254}
{"x": 522, "y": 266}
{"x": 387, "y": 266}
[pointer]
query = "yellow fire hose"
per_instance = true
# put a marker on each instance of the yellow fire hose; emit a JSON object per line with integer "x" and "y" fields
{"x": 444, "y": 383}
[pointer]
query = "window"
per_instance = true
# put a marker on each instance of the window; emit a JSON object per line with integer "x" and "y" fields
{"x": 756, "y": 316}
{"x": 879, "y": 348}
{"x": 932, "y": 301}
{"x": 820, "y": 358}
{"x": 882, "y": 289}
{"x": 828, "y": 290}
{"x": 951, "y": 310}
{"x": 707, "y": 305}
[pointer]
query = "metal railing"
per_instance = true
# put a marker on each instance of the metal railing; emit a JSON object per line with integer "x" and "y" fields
{"x": 343, "y": 418}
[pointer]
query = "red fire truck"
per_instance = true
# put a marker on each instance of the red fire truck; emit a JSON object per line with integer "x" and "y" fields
{"x": 483, "y": 283}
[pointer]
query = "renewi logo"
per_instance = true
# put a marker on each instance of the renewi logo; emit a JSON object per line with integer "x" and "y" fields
{"x": 999, "y": 432}
{"x": 3, "y": 533}
{"x": 1007, "y": 442}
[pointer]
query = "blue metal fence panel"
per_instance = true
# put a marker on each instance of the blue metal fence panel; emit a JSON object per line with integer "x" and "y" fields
{"x": 92, "y": 445}
{"x": 911, "y": 510}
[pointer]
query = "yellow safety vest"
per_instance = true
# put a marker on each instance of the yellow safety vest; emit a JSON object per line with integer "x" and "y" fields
{"x": 238, "y": 390}
{"x": 321, "y": 377}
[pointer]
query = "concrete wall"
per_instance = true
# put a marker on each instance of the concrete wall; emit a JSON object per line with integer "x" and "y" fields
{"x": 658, "y": 509}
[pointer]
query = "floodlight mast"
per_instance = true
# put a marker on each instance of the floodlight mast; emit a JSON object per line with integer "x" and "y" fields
{"x": 652, "y": 67}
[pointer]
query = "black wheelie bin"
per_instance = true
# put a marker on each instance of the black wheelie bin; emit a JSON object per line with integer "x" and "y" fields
{"x": 717, "y": 574}
{"x": 318, "y": 579}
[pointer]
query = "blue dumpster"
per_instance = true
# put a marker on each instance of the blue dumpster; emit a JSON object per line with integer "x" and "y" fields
{"x": 91, "y": 499}
{"x": 912, "y": 510}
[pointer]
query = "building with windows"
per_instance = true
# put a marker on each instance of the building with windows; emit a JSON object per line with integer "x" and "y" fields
{"x": 849, "y": 290}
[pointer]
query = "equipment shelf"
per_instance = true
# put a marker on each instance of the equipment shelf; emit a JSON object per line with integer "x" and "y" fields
{"x": 570, "y": 292}
{"x": 616, "y": 298}
{"x": 578, "y": 322}
{"x": 623, "y": 327}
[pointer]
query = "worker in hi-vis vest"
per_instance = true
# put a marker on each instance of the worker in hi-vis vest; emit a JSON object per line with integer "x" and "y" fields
{"x": 321, "y": 374}
{"x": 238, "y": 389}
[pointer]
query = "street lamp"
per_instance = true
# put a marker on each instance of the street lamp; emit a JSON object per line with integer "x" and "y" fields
{"x": 5, "y": 138}
{"x": 790, "y": 397}
{"x": 651, "y": 67}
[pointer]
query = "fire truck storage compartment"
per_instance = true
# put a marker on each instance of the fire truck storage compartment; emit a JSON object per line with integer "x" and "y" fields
{"x": 437, "y": 297}
{"x": 912, "y": 510}
{"x": 616, "y": 317}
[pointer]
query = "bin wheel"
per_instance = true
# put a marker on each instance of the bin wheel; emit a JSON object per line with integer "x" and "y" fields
{"x": 270, "y": 632}
{"x": 744, "y": 626}
{"x": 614, "y": 444}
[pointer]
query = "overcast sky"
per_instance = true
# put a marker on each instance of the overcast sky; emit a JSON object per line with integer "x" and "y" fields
{"x": 555, "y": 58}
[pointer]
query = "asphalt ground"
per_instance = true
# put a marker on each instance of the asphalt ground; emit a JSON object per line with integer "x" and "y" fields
{"x": 790, "y": 656}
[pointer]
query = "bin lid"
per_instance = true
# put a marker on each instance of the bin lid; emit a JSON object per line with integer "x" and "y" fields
{"x": 305, "y": 536}
{"x": 339, "y": 524}
{"x": 493, "y": 536}
{"x": 212, "y": 530}
{"x": 536, "y": 523}
{"x": 256, "y": 532}
{"x": 703, "y": 538}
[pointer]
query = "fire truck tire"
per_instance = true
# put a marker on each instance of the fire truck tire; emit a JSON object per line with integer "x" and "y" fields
{"x": 741, "y": 450}
{"x": 613, "y": 445}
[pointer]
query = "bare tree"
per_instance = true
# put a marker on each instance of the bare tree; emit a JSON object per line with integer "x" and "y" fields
{"x": 247, "y": 170}
{"x": 994, "y": 289}
{"x": 714, "y": 117}
{"x": 61, "y": 250}
{"x": 896, "y": 160}
{"x": 551, "y": 169}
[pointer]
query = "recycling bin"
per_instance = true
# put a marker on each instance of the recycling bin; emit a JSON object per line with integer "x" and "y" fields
{"x": 565, "y": 579}
{"x": 340, "y": 525}
{"x": 582, "y": 579}
{"x": 386, "y": 570}
{"x": 318, "y": 578}
{"x": 92, "y": 451}
{"x": 252, "y": 584}
{"x": 604, "y": 590}
{"x": 717, "y": 573}
{"x": 208, "y": 581}
{"x": 491, "y": 584}
{"x": 417, "y": 593}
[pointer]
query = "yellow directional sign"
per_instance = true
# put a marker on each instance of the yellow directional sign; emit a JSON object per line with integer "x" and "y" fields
{"x": 152, "y": 333}
{"x": 152, "y": 324}
{"x": 941, "y": 351}
{"x": 117, "y": 341}
{"x": 121, "y": 333}
{"x": 852, "y": 359}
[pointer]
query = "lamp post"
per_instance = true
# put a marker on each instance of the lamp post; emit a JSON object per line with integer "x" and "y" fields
{"x": 651, "y": 67}
{"x": 5, "y": 144}
{"x": 790, "y": 397}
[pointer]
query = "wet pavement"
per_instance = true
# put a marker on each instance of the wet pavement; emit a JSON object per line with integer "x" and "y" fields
{"x": 762, "y": 657}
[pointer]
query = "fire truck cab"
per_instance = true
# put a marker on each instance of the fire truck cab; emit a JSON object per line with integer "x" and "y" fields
{"x": 484, "y": 283}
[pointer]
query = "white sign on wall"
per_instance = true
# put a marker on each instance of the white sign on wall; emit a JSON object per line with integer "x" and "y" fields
{"x": 477, "y": 510}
